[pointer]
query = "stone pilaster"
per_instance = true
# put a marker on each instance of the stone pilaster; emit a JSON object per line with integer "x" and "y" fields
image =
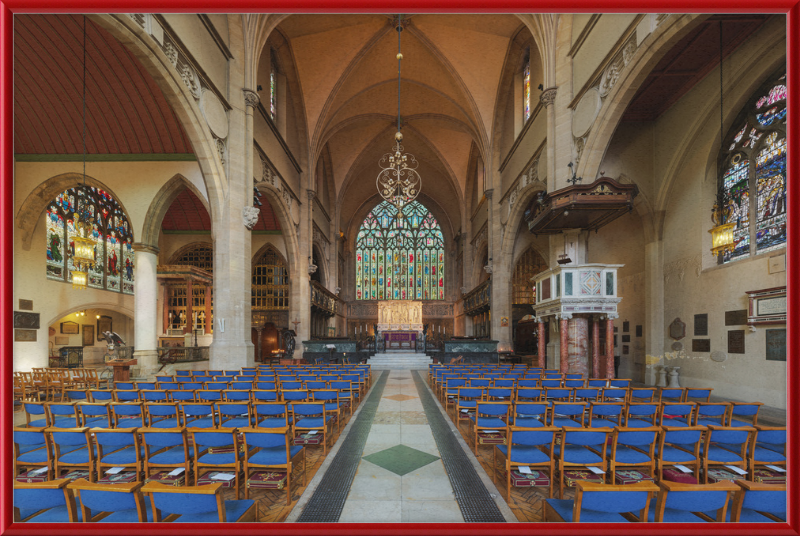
{"x": 548, "y": 99}
{"x": 145, "y": 323}
{"x": 610, "y": 346}
{"x": 542, "y": 347}
{"x": 563, "y": 364}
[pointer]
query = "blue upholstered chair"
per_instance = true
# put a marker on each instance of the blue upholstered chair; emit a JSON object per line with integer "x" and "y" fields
{"x": 265, "y": 396}
{"x": 31, "y": 450}
{"x": 671, "y": 394}
{"x": 130, "y": 415}
{"x": 530, "y": 415}
{"x": 72, "y": 449}
{"x": 633, "y": 448}
{"x": 118, "y": 448}
{"x": 692, "y": 503}
{"x": 155, "y": 395}
{"x": 528, "y": 394}
{"x": 133, "y": 395}
{"x": 166, "y": 449}
{"x": 146, "y": 386}
{"x": 179, "y": 395}
{"x": 163, "y": 415}
{"x": 744, "y": 413}
{"x": 567, "y": 414}
{"x": 641, "y": 394}
{"x": 233, "y": 395}
{"x": 107, "y": 503}
{"x": 466, "y": 402}
{"x": 207, "y": 457}
{"x": 234, "y": 415}
{"x": 36, "y": 415}
{"x": 586, "y": 394}
{"x": 531, "y": 447}
{"x": 641, "y": 414}
{"x": 196, "y": 504}
{"x": 767, "y": 447}
{"x": 725, "y": 446}
{"x": 716, "y": 413}
{"x": 199, "y": 414}
{"x": 100, "y": 395}
{"x": 758, "y": 503}
{"x": 680, "y": 445}
{"x": 599, "y": 383}
{"x": 697, "y": 395}
{"x": 330, "y": 397}
{"x": 581, "y": 448}
{"x": 601, "y": 503}
{"x": 44, "y": 502}
{"x": 312, "y": 416}
{"x": 490, "y": 416}
{"x": 63, "y": 414}
{"x": 272, "y": 450}
{"x": 676, "y": 414}
{"x": 605, "y": 414}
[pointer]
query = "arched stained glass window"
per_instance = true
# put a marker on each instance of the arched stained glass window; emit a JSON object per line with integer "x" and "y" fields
{"x": 400, "y": 258}
{"x": 526, "y": 87}
{"x": 753, "y": 171}
{"x": 108, "y": 226}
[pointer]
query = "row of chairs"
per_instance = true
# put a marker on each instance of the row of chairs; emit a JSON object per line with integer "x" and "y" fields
{"x": 739, "y": 501}
{"x": 49, "y": 383}
{"x": 150, "y": 453}
{"x": 260, "y": 382}
{"x": 63, "y": 500}
{"x": 648, "y": 451}
{"x": 205, "y": 414}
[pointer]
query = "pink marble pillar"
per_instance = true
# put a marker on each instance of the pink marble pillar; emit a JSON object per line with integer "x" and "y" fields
{"x": 609, "y": 348}
{"x": 564, "y": 332}
{"x": 542, "y": 347}
{"x": 578, "y": 346}
{"x": 595, "y": 348}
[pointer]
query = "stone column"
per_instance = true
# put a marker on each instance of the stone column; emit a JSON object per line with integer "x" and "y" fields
{"x": 259, "y": 329}
{"x": 540, "y": 342}
{"x": 548, "y": 98}
{"x": 610, "y": 346}
{"x": 145, "y": 307}
{"x": 595, "y": 348}
{"x": 564, "y": 333}
{"x": 578, "y": 346}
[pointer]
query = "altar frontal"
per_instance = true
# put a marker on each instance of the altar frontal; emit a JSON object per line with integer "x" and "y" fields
{"x": 400, "y": 316}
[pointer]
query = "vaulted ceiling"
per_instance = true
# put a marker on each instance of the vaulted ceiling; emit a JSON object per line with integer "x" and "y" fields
{"x": 451, "y": 68}
{"x": 126, "y": 112}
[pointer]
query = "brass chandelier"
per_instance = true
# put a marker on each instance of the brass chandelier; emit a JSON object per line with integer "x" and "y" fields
{"x": 398, "y": 181}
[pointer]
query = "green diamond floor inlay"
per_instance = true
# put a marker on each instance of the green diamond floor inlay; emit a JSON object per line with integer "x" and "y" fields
{"x": 401, "y": 459}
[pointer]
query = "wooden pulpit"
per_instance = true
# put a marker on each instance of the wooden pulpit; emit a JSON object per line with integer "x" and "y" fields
{"x": 122, "y": 369}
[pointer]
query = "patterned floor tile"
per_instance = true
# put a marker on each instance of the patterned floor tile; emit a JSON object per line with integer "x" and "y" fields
{"x": 401, "y": 459}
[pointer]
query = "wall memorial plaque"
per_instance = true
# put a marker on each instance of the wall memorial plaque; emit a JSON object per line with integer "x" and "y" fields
{"x": 677, "y": 330}
{"x": 25, "y": 335}
{"x": 626, "y": 338}
{"x": 767, "y": 306}
{"x": 776, "y": 344}
{"x": 701, "y": 325}
{"x": 736, "y": 318}
{"x": 70, "y": 328}
{"x": 639, "y": 330}
{"x": 626, "y": 326}
{"x": 26, "y": 320}
{"x": 736, "y": 341}
{"x": 701, "y": 345}
{"x": 25, "y": 305}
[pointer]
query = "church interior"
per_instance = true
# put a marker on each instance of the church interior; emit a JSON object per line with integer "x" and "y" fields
{"x": 382, "y": 268}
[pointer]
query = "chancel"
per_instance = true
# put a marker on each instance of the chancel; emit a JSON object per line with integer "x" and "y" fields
{"x": 400, "y": 268}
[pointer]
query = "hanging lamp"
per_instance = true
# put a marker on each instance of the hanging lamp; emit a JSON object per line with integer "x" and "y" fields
{"x": 83, "y": 258}
{"x": 722, "y": 233}
{"x": 398, "y": 181}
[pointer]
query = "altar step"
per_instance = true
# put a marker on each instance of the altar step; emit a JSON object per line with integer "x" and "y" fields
{"x": 394, "y": 360}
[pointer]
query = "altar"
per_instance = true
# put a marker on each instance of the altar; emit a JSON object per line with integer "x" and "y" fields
{"x": 400, "y": 340}
{"x": 400, "y": 316}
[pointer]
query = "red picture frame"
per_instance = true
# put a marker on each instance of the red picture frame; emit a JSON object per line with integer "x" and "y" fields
{"x": 8, "y": 8}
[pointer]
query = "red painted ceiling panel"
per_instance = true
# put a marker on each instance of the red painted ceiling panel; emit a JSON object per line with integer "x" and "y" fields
{"x": 126, "y": 112}
{"x": 187, "y": 213}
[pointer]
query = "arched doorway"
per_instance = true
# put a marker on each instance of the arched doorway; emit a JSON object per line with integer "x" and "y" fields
{"x": 523, "y": 296}
{"x": 269, "y": 302}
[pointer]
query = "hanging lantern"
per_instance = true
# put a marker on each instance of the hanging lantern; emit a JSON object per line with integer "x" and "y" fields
{"x": 722, "y": 233}
{"x": 83, "y": 258}
{"x": 79, "y": 279}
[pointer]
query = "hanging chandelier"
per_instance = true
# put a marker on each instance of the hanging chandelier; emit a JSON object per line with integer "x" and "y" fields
{"x": 83, "y": 257}
{"x": 722, "y": 240}
{"x": 398, "y": 181}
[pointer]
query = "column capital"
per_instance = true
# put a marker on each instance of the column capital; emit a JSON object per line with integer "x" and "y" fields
{"x": 145, "y": 248}
{"x": 566, "y": 316}
{"x": 612, "y": 316}
{"x": 488, "y": 193}
{"x": 251, "y": 98}
{"x": 548, "y": 96}
{"x": 311, "y": 194}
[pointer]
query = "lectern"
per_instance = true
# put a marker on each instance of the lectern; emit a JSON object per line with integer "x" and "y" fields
{"x": 122, "y": 369}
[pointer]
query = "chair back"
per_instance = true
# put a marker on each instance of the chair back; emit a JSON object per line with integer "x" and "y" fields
{"x": 598, "y": 497}
{"x": 36, "y": 496}
{"x": 694, "y": 498}
{"x": 185, "y": 500}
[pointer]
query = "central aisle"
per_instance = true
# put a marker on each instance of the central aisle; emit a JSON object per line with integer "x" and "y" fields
{"x": 390, "y": 457}
{"x": 401, "y": 477}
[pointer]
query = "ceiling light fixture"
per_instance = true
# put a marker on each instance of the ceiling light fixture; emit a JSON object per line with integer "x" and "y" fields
{"x": 398, "y": 181}
{"x": 83, "y": 255}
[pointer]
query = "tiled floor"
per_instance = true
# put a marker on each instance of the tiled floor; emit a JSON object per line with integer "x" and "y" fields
{"x": 400, "y": 477}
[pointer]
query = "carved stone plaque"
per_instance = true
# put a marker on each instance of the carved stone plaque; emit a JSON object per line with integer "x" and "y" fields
{"x": 25, "y": 335}
{"x": 26, "y": 320}
{"x": 736, "y": 318}
{"x": 701, "y": 325}
{"x": 25, "y": 305}
{"x": 736, "y": 341}
{"x": 701, "y": 345}
{"x": 677, "y": 330}
{"x": 718, "y": 356}
{"x": 776, "y": 344}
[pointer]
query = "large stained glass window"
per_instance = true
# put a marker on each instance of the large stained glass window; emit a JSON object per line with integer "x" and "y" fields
{"x": 526, "y": 88}
{"x": 400, "y": 258}
{"x": 107, "y": 225}
{"x": 753, "y": 171}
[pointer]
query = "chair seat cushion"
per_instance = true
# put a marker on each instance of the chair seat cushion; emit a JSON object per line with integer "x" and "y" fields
{"x": 767, "y": 455}
{"x": 529, "y": 422}
{"x": 166, "y": 423}
{"x": 36, "y": 456}
{"x": 272, "y": 422}
{"x": 223, "y": 458}
{"x": 490, "y": 422}
{"x": 639, "y": 423}
{"x": 97, "y": 422}
{"x": 672, "y": 454}
{"x": 706, "y": 422}
{"x": 129, "y": 423}
{"x": 524, "y": 454}
{"x": 628, "y": 455}
{"x": 237, "y": 422}
{"x": 558, "y": 422}
{"x": 38, "y": 423}
{"x": 273, "y": 455}
{"x": 57, "y": 514}
{"x": 719, "y": 454}
{"x": 202, "y": 422}
{"x": 311, "y": 422}
{"x": 64, "y": 422}
{"x": 233, "y": 511}
{"x": 124, "y": 456}
{"x": 130, "y": 515}
{"x": 564, "y": 509}
{"x": 173, "y": 456}
{"x": 577, "y": 454}
{"x": 78, "y": 456}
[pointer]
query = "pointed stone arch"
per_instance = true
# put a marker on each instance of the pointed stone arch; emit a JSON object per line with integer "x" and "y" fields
{"x": 162, "y": 200}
